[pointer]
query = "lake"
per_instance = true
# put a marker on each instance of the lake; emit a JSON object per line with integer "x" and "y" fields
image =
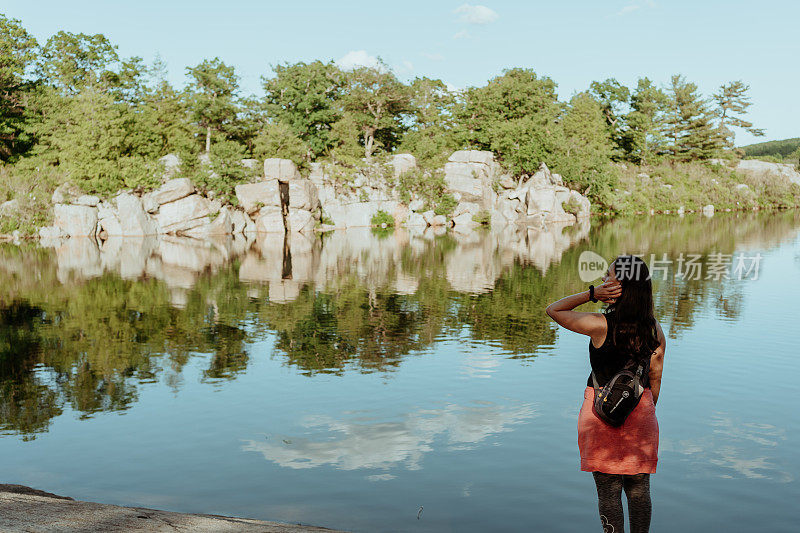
{"x": 387, "y": 381}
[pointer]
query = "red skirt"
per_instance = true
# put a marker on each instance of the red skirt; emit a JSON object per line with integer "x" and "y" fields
{"x": 631, "y": 448}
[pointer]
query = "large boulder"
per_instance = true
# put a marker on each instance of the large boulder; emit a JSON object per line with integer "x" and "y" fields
{"x": 269, "y": 220}
{"x": 221, "y": 225}
{"x": 303, "y": 195}
{"x": 464, "y": 222}
{"x": 300, "y": 220}
{"x": 540, "y": 200}
{"x": 108, "y": 223}
{"x": 253, "y": 196}
{"x": 75, "y": 220}
{"x": 241, "y": 222}
{"x": 51, "y": 233}
{"x": 470, "y": 174}
{"x": 172, "y": 190}
{"x": 280, "y": 169}
{"x": 133, "y": 219}
{"x": 754, "y": 166}
{"x": 64, "y": 193}
{"x": 542, "y": 178}
{"x": 402, "y": 163}
{"x": 183, "y": 214}
{"x": 87, "y": 199}
{"x": 584, "y": 206}
{"x": 357, "y": 214}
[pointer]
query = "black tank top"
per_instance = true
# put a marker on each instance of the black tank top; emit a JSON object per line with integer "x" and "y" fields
{"x": 606, "y": 360}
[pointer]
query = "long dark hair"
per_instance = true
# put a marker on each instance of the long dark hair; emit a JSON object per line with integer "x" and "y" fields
{"x": 634, "y": 326}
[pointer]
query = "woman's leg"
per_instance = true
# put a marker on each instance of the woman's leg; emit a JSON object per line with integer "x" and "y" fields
{"x": 637, "y": 489}
{"x": 609, "y": 501}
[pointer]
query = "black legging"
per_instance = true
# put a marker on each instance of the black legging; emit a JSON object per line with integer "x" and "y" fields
{"x": 609, "y": 491}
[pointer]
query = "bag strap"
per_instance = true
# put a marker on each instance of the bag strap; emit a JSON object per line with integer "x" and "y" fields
{"x": 594, "y": 380}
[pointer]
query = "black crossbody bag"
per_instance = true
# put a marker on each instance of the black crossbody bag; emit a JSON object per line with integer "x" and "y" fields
{"x": 619, "y": 397}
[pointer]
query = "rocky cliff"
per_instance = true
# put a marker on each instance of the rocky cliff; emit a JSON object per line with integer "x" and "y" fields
{"x": 284, "y": 201}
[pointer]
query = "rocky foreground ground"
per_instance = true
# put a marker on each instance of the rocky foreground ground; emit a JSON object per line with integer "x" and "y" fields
{"x": 23, "y": 509}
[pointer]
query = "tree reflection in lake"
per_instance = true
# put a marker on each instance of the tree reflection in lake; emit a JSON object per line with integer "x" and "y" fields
{"x": 82, "y": 324}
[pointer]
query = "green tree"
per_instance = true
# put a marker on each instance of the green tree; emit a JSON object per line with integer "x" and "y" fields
{"x": 643, "y": 137}
{"x": 213, "y": 90}
{"x": 517, "y": 95}
{"x": 377, "y": 103}
{"x": 72, "y": 62}
{"x": 430, "y": 137}
{"x": 305, "y": 97}
{"x": 17, "y": 52}
{"x": 278, "y": 140}
{"x": 584, "y": 155}
{"x": 689, "y": 123}
{"x": 732, "y": 103}
{"x": 614, "y": 99}
{"x": 165, "y": 115}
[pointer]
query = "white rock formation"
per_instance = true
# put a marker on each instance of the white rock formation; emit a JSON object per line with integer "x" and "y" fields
{"x": 183, "y": 214}
{"x": 403, "y": 163}
{"x": 280, "y": 169}
{"x": 133, "y": 219}
{"x": 754, "y": 166}
{"x": 253, "y": 196}
{"x": 75, "y": 220}
{"x": 172, "y": 190}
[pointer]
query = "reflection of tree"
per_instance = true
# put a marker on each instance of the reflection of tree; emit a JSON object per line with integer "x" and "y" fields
{"x": 26, "y": 404}
{"x": 88, "y": 344}
{"x": 97, "y": 339}
{"x": 680, "y": 300}
{"x": 326, "y": 330}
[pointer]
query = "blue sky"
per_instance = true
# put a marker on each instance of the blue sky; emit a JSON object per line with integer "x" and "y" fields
{"x": 573, "y": 42}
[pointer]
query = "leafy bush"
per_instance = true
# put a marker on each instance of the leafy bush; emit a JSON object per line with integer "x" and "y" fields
{"x": 222, "y": 172}
{"x": 32, "y": 188}
{"x": 428, "y": 186}
{"x": 572, "y": 206}
{"x": 445, "y": 204}
{"x": 483, "y": 218}
{"x": 382, "y": 217}
{"x": 277, "y": 140}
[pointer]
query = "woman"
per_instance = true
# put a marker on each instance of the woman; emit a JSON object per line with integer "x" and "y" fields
{"x": 619, "y": 457}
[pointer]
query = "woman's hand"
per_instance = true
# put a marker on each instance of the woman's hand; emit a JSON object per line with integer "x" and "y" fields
{"x": 608, "y": 291}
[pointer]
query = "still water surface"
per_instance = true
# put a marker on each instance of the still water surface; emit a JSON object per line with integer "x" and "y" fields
{"x": 349, "y": 382}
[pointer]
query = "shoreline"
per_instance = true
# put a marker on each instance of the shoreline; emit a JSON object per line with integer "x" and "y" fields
{"x": 29, "y": 510}
{"x": 5, "y": 237}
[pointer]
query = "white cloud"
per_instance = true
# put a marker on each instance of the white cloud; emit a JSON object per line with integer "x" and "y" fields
{"x": 358, "y": 58}
{"x": 350, "y": 443}
{"x": 635, "y": 5}
{"x": 433, "y": 57}
{"x": 463, "y": 34}
{"x": 628, "y": 9}
{"x": 476, "y": 14}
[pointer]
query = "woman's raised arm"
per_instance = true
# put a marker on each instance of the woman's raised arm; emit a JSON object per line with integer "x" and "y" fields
{"x": 591, "y": 324}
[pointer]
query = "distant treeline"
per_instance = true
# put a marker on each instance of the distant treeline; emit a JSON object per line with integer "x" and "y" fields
{"x": 72, "y": 109}
{"x": 785, "y": 149}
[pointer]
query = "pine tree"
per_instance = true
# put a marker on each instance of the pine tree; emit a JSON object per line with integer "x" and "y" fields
{"x": 733, "y": 101}
{"x": 644, "y": 136}
{"x": 213, "y": 90}
{"x": 690, "y": 129}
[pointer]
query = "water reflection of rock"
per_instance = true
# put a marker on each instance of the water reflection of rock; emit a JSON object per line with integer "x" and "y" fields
{"x": 288, "y": 262}
{"x": 353, "y": 444}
